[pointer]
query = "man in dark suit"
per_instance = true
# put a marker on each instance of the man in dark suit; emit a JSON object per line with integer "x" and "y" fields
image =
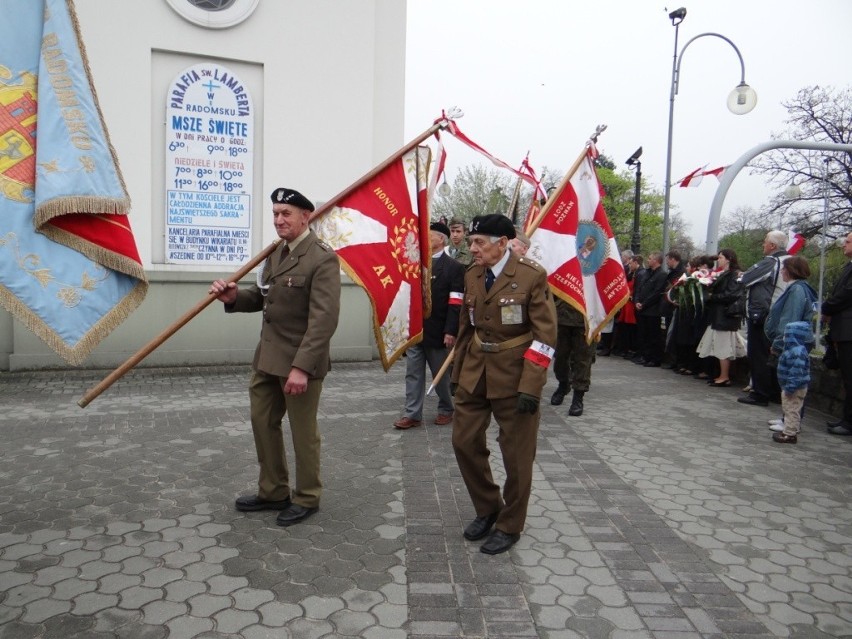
{"x": 299, "y": 294}
{"x": 649, "y": 301}
{"x": 507, "y": 331}
{"x": 837, "y": 308}
{"x": 439, "y": 334}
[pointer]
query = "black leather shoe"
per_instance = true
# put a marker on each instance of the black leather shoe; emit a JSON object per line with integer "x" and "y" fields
{"x": 294, "y": 514}
{"x": 479, "y": 527}
{"x": 839, "y": 422}
{"x": 753, "y": 400}
{"x": 843, "y": 429}
{"x": 250, "y": 503}
{"x": 498, "y": 542}
{"x": 558, "y": 396}
{"x": 651, "y": 364}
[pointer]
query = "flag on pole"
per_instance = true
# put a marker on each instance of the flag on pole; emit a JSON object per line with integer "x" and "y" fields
{"x": 795, "y": 242}
{"x": 695, "y": 178}
{"x": 575, "y": 245}
{"x": 69, "y": 267}
{"x": 380, "y": 233}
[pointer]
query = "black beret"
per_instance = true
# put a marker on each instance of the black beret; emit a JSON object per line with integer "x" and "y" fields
{"x": 493, "y": 224}
{"x": 440, "y": 227}
{"x": 294, "y": 198}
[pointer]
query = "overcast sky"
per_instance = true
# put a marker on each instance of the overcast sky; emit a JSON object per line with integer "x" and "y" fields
{"x": 539, "y": 75}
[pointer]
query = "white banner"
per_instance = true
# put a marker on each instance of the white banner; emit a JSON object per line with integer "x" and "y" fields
{"x": 209, "y": 151}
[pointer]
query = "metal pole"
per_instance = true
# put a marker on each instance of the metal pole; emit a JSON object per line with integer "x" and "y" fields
{"x": 635, "y": 244}
{"x": 668, "y": 187}
{"x": 818, "y": 333}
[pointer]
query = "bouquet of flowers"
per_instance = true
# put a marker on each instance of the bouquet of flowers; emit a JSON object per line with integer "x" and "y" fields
{"x": 688, "y": 291}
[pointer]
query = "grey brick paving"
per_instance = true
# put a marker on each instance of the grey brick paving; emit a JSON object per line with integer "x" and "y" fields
{"x": 664, "y": 512}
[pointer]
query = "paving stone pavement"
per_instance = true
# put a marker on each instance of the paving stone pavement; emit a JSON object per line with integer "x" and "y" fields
{"x": 665, "y": 511}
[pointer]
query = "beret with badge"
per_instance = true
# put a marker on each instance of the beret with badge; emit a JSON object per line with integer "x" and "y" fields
{"x": 292, "y": 197}
{"x": 494, "y": 224}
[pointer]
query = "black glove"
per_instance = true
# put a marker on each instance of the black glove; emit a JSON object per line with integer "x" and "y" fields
{"x": 453, "y": 388}
{"x": 527, "y": 403}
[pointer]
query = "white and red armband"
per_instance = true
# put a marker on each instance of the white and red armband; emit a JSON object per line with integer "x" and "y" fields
{"x": 540, "y": 354}
{"x": 455, "y": 299}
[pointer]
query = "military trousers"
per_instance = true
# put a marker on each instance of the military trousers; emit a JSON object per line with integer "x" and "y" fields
{"x": 517, "y": 440}
{"x": 269, "y": 404}
{"x": 572, "y": 362}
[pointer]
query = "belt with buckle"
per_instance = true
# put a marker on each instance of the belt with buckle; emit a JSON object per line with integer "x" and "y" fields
{"x": 496, "y": 347}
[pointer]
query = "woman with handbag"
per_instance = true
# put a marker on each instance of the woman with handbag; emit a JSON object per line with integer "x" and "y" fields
{"x": 726, "y": 310}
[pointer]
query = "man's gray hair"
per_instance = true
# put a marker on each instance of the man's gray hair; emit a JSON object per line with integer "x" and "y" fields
{"x": 778, "y": 238}
{"x": 626, "y": 254}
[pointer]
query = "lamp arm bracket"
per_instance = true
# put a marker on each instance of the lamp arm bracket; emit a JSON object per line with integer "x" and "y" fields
{"x": 676, "y": 75}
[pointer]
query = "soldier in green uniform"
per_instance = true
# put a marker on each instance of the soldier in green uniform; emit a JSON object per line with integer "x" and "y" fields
{"x": 458, "y": 248}
{"x": 506, "y": 332}
{"x": 299, "y": 294}
{"x": 574, "y": 357}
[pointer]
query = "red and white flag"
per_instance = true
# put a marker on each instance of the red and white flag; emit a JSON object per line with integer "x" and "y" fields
{"x": 795, "y": 242}
{"x": 693, "y": 179}
{"x": 697, "y": 176}
{"x": 380, "y": 233}
{"x": 575, "y": 244}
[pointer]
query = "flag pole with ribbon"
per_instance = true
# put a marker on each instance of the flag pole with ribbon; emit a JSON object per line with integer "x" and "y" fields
{"x": 441, "y": 123}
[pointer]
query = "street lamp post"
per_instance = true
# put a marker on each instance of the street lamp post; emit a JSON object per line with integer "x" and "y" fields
{"x": 740, "y": 101}
{"x": 631, "y": 161}
{"x": 818, "y": 332}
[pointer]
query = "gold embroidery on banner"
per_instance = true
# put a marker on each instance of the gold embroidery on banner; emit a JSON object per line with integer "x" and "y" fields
{"x": 332, "y": 228}
{"x": 406, "y": 249}
{"x": 68, "y": 293}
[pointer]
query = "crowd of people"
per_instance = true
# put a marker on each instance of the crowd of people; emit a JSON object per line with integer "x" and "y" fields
{"x": 496, "y": 320}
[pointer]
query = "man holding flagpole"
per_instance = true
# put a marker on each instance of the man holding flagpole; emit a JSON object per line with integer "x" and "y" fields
{"x": 507, "y": 330}
{"x": 298, "y": 291}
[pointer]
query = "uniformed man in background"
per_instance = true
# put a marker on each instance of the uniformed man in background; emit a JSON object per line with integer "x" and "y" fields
{"x": 299, "y": 293}
{"x": 572, "y": 364}
{"x": 507, "y": 330}
{"x": 457, "y": 248}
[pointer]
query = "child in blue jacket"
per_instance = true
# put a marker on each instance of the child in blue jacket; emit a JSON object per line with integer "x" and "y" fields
{"x": 794, "y": 375}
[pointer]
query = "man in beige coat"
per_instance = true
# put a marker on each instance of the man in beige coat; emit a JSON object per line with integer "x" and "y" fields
{"x": 507, "y": 330}
{"x": 299, "y": 294}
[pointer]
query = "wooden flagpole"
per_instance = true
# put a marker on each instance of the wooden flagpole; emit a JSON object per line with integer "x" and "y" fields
{"x": 571, "y": 171}
{"x": 442, "y": 370}
{"x": 155, "y": 343}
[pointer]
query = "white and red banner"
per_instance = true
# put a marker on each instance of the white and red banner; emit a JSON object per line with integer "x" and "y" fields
{"x": 697, "y": 176}
{"x": 575, "y": 244}
{"x": 380, "y": 233}
{"x": 795, "y": 242}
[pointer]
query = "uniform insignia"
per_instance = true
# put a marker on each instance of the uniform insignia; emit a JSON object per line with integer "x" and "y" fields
{"x": 325, "y": 246}
{"x": 514, "y": 285}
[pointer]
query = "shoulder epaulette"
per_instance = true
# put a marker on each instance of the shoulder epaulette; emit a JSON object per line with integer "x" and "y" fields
{"x": 324, "y": 246}
{"x": 531, "y": 263}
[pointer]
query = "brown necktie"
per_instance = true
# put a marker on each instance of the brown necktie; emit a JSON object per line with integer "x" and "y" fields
{"x": 284, "y": 253}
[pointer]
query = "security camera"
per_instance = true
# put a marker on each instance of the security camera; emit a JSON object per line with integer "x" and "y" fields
{"x": 633, "y": 159}
{"x": 678, "y": 14}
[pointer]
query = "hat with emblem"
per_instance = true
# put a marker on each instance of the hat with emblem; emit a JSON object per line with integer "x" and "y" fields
{"x": 440, "y": 227}
{"x": 494, "y": 224}
{"x": 283, "y": 195}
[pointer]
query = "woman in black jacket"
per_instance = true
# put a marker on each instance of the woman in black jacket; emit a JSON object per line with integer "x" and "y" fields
{"x": 725, "y": 310}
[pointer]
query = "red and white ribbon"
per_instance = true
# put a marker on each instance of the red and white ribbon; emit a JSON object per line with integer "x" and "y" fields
{"x": 455, "y": 299}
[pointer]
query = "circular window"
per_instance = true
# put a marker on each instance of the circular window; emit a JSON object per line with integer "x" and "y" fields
{"x": 214, "y": 14}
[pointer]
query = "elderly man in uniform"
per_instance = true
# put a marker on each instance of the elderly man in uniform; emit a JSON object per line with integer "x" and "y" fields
{"x": 439, "y": 334}
{"x": 298, "y": 291}
{"x": 507, "y": 330}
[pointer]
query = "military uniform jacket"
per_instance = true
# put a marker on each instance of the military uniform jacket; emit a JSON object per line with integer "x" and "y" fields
{"x": 518, "y": 303}
{"x": 838, "y": 306}
{"x": 447, "y": 277}
{"x": 300, "y": 309}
